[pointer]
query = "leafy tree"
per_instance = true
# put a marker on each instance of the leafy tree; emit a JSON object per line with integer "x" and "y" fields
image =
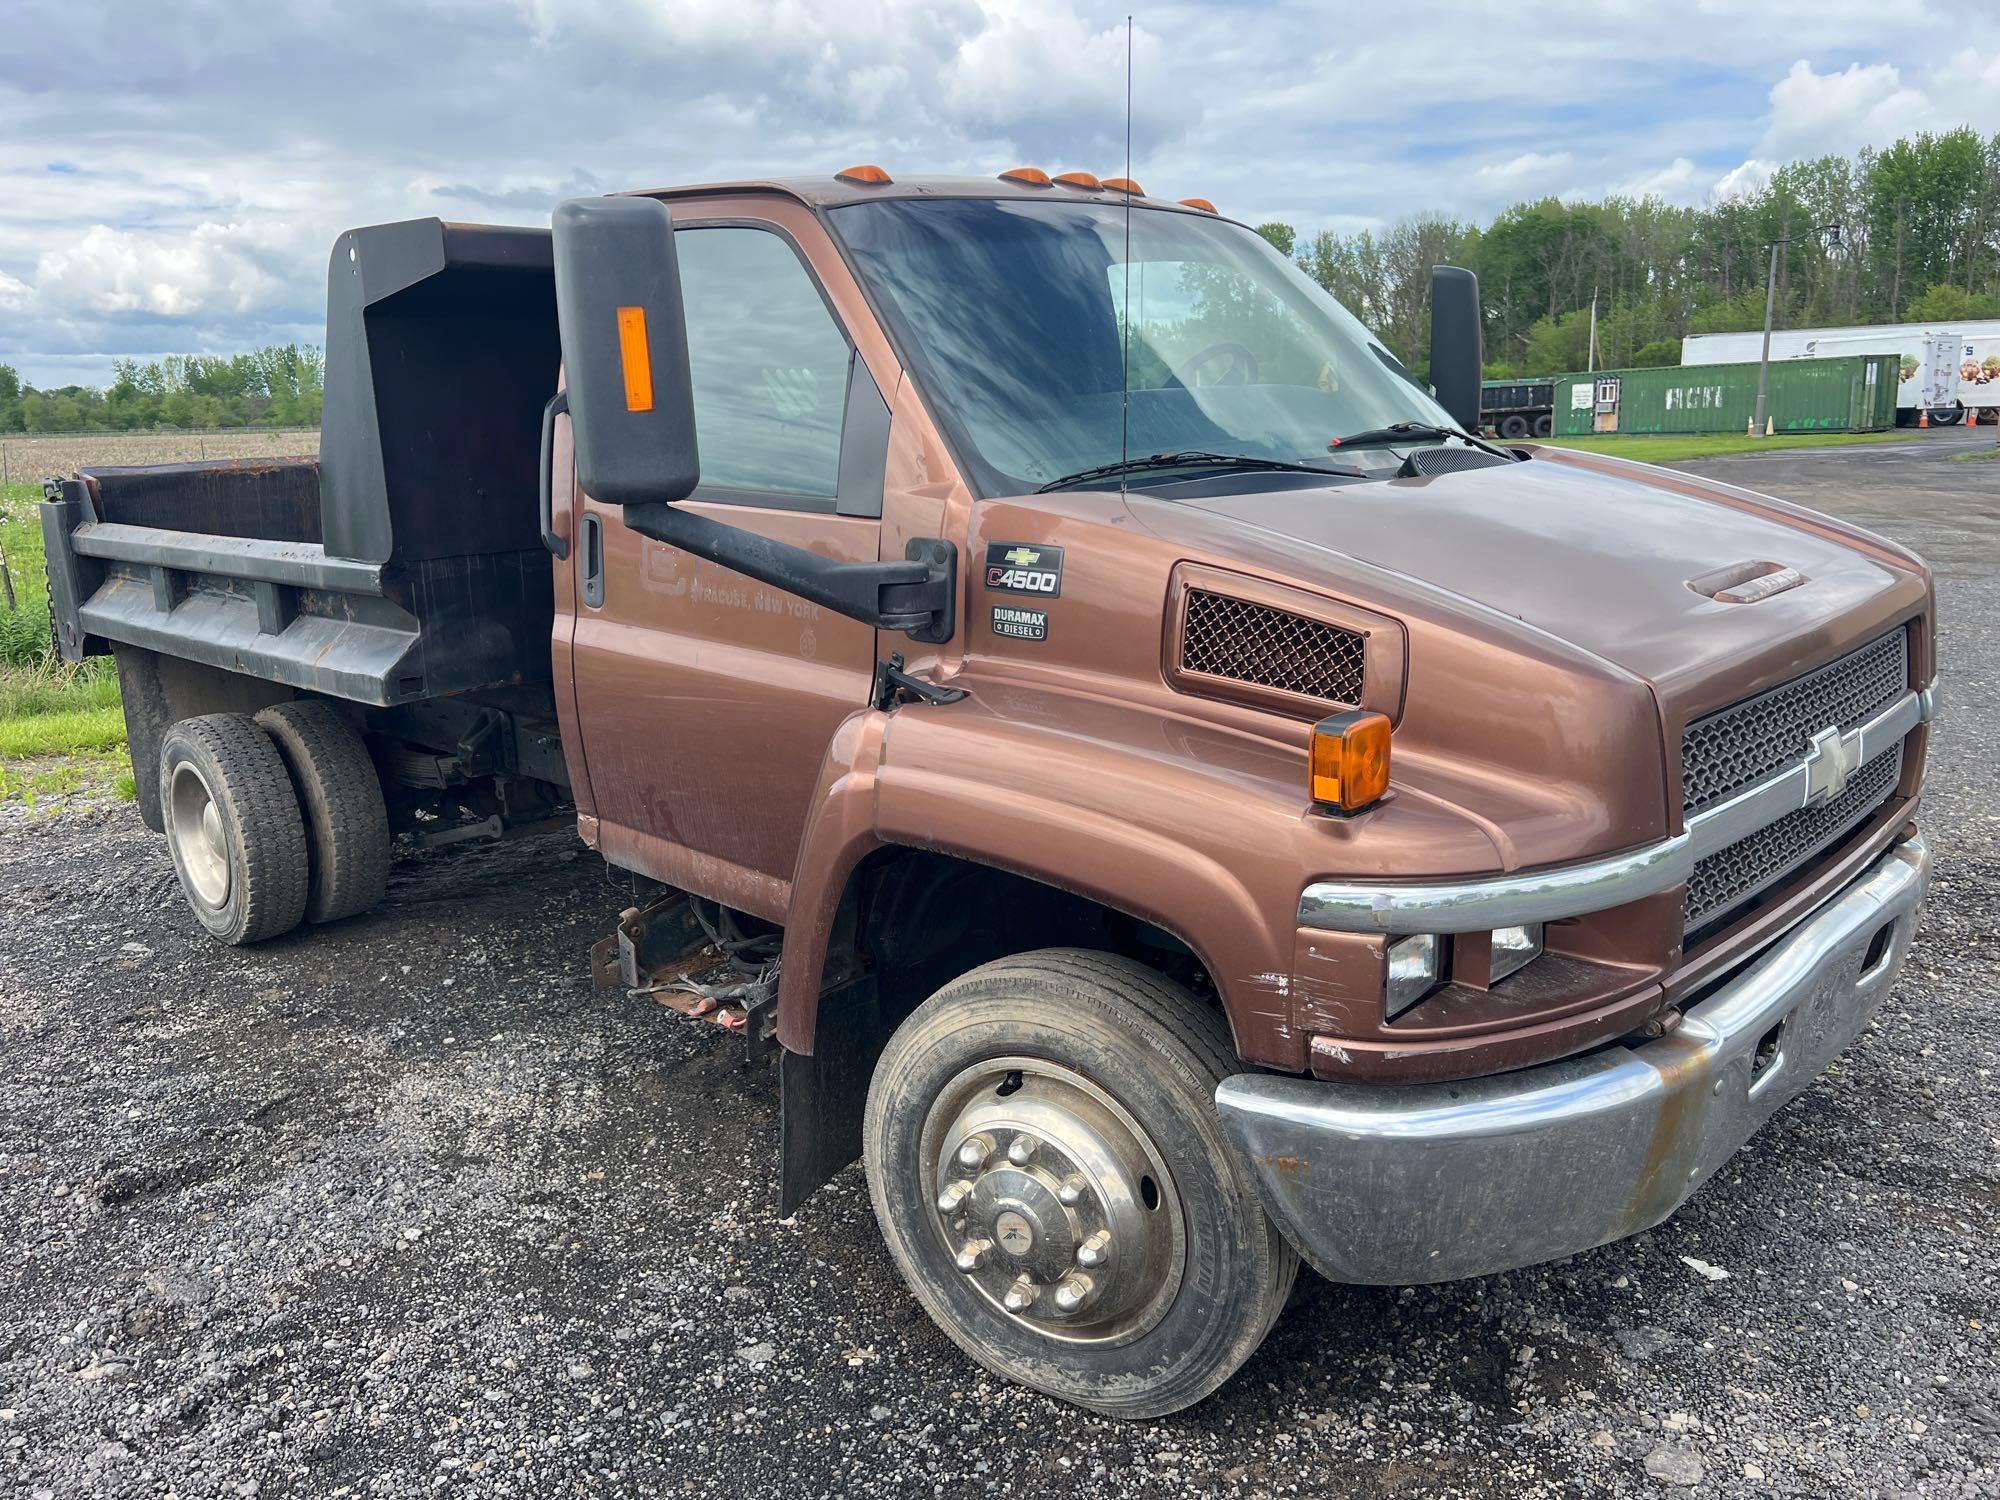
{"x": 1279, "y": 234}
{"x": 1944, "y": 303}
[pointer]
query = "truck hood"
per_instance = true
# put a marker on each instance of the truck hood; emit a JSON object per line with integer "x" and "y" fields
{"x": 1602, "y": 554}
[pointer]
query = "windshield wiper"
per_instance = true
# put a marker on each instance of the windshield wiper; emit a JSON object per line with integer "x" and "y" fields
{"x": 1404, "y": 432}
{"x": 1192, "y": 459}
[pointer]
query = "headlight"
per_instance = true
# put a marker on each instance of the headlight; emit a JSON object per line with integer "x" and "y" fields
{"x": 1514, "y": 948}
{"x": 1413, "y": 971}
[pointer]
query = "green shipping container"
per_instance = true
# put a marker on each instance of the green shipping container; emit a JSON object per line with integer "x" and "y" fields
{"x": 1853, "y": 394}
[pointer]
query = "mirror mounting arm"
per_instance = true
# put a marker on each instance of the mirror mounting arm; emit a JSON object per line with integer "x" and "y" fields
{"x": 918, "y": 596}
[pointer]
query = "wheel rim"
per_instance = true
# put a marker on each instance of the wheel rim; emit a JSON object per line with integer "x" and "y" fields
{"x": 1052, "y": 1202}
{"x": 199, "y": 845}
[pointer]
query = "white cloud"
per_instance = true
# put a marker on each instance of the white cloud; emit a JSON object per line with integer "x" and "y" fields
{"x": 1742, "y": 182}
{"x": 1531, "y": 171}
{"x": 1813, "y": 113}
{"x": 1678, "y": 182}
{"x": 214, "y": 270}
{"x": 1874, "y": 103}
{"x": 15, "y": 295}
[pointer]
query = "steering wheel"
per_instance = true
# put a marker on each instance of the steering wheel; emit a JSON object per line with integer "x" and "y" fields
{"x": 1242, "y": 368}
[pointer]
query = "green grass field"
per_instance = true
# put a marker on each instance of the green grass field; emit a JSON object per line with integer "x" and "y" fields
{"x": 1665, "y": 449}
{"x": 61, "y": 729}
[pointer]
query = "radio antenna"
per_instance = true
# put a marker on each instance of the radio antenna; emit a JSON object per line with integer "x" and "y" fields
{"x": 1125, "y": 364}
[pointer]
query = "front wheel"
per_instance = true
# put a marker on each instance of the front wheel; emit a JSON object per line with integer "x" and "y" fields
{"x": 1055, "y": 1185}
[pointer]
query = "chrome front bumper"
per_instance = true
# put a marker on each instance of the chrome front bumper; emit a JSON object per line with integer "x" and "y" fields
{"x": 1431, "y": 1182}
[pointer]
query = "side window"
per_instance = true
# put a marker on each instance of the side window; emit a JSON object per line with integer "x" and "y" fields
{"x": 768, "y": 362}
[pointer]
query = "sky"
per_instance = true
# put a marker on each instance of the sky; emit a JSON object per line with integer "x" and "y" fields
{"x": 172, "y": 176}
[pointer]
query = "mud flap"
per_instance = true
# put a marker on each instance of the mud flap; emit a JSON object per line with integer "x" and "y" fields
{"x": 821, "y": 1097}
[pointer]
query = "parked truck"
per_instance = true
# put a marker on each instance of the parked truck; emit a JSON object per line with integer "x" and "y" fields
{"x": 1515, "y": 409}
{"x": 1207, "y": 811}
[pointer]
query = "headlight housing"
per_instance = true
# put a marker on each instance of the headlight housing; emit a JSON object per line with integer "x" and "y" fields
{"x": 1413, "y": 971}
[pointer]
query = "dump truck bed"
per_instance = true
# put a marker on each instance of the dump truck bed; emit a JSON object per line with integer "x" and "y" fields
{"x": 407, "y": 562}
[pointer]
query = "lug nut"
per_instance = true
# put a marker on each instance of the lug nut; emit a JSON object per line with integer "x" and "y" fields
{"x": 1021, "y": 1295}
{"x": 973, "y": 1152}
{"x": 1072, "y": 1190}
{"x": 951, "y": 1197}
{"x": 1096, "y": 1250}
{"x": 1022, "y": 1151}
{"x": 973, "y": 1256}
{"x": 1073, "y": 1293}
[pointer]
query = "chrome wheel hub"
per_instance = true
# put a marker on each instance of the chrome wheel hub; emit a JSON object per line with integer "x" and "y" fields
{"x": 1053, "y": 1202}
{"x": 194, "y": 823}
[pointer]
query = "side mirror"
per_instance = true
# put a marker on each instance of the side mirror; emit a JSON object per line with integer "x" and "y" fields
{"x": 624, "y": 347}
{"x": 1458, "y": 357}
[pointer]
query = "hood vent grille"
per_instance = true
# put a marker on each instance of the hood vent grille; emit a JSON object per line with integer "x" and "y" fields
{"x": 1272, "y": 648}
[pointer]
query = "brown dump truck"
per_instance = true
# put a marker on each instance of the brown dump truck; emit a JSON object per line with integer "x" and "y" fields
{"x": 1175, "y": 802}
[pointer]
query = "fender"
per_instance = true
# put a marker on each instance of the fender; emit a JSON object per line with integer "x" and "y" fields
{"x": 1187, "y": 826}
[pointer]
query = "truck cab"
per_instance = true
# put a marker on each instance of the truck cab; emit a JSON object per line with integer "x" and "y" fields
{"x": 1218, "y": 810}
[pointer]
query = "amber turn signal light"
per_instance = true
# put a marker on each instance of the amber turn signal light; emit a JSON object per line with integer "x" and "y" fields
{"x": 1350, "y": 761}
{"x": 637, "y": 357}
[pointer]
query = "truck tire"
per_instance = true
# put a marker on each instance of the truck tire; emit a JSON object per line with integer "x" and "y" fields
{"x": 1513, "y": 425}
{"x": 1545, "y": 425}
{"x": 234, "y": 828}
{"x": 1053, "y": 1180}
{"x": 347, "y": 822}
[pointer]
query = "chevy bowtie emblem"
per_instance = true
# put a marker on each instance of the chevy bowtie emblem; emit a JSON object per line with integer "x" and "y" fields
{"x": 1830, "y": 760}
{"x": 1023, "y": 557}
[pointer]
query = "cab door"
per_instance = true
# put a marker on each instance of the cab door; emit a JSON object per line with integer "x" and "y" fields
{"x": 705, "y": 700}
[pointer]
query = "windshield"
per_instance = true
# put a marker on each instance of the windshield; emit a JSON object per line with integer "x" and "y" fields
{"x": 1015, "y": 315}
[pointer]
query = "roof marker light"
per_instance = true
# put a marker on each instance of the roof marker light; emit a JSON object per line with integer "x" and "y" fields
{"x": 1080, "y": 180}
{"x": 865, "y": 174}
{"x": 1026, "y": 176}
{"x": 1125, "y": 185}
{"x": 1201, "y": 203}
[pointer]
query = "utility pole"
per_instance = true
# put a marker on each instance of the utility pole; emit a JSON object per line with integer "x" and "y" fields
{"x": 1833, "y": 234}
{"x": 1896, "y": 286}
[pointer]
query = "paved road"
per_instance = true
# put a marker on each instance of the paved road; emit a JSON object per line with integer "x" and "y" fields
{"x": 408, "y": 1209}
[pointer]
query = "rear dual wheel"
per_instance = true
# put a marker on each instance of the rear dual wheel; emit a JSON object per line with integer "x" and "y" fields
{"x": 1054, "y": 1183}
{"x": 273, "y": 820}
{"x": 233, "y": 826}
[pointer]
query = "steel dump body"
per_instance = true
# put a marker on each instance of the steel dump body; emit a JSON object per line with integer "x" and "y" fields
{"x": 406, "y": 563}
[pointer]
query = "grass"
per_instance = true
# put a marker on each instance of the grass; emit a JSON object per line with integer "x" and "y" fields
{"x": 1667, "y": 447}
{"x": 61, "y": 729}
{"x": 1983, "y": 456}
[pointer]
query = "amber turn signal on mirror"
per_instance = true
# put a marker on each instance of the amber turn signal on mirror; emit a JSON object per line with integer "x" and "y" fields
{"x": 1350, "y": 761}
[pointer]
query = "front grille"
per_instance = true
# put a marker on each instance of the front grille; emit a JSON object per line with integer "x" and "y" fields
{"x": 1725, "y": 879}
{"x": 1740, "y": 745}
{"x": 1274, "y": 648}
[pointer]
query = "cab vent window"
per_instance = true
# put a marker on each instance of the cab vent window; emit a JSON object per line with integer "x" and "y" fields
{"x": 1245, "y": 642}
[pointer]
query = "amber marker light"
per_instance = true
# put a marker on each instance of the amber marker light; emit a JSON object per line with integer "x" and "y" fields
{"x": 866, "y": 175}
{"x": 1350, "y": 761}
{"x": 637, "y": 358}
{"x": 1026, "y": 176}
{"x": 1201, "y": 203}
{"x": 1125, "y": 185}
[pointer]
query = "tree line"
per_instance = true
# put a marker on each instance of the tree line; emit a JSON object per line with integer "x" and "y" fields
{"x": 1919, "y": 242}
{"x": 280, "y": 385}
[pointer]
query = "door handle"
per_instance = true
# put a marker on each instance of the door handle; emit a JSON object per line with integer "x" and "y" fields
{"x": 558, "y": 405}
{"x": 591, "y": 539}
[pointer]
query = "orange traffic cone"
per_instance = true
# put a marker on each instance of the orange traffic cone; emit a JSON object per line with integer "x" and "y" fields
{"x": 1924, "y": 418}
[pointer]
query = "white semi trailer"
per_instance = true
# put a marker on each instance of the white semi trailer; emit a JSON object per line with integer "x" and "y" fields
{"x": 1947, "y": 371}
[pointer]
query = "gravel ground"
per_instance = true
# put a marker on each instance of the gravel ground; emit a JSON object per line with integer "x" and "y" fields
{"x": 406, "y": 1207}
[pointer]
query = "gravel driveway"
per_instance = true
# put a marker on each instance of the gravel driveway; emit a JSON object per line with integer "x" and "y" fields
{"x": 407, "y": 1208}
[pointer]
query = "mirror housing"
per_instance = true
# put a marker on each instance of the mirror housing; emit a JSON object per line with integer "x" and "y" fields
{"x": 1458, "y": 357}
{"x": 624, "y": 348}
